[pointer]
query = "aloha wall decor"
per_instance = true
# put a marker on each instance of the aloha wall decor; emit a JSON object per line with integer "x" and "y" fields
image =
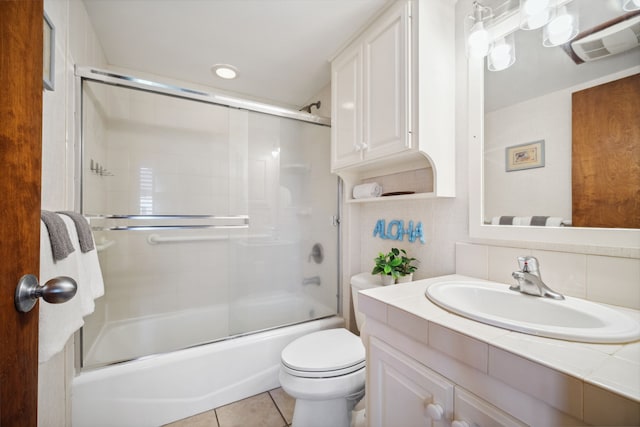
{"x": 396, "y": 230}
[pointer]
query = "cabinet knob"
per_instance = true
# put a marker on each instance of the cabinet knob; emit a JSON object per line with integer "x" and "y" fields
{"x": 435, "y": 411}
{"x": 457, "y": 423}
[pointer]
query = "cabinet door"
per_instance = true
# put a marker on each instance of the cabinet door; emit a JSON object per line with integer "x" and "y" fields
{"x": 346, "y": 126}
{"x": 403, "y": 392}
{"x": 386, "y": 80}
{"x": 471, "y": 411}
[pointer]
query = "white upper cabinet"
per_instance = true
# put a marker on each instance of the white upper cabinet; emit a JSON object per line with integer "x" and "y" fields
{"x": 381, "y": 89}
{"x": 370, "y": 92}
{"x": 346, "y": 96}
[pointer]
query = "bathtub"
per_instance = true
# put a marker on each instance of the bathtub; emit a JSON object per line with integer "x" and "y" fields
{"x": 160, "y": 389}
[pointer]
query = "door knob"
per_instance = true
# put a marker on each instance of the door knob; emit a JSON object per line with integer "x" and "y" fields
{"x": 55, "y": 291}
{"x": 435, "y": 411}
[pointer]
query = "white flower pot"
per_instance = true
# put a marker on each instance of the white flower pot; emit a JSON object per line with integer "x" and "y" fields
{"x": 387, "y": 280}
{"x": 405, "y": 279}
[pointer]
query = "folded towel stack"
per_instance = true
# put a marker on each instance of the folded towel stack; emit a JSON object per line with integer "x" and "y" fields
{"x": 536, "y": 221}
{"x": 59, "y": 321}
{"x": 364, "y": 191}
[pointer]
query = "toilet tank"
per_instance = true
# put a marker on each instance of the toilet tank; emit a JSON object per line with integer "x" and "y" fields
{"x": 360, "y": 282}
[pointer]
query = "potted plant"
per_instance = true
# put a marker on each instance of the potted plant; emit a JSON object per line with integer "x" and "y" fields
{"x": 406, "y": 268}
{"x": 386, "y": 265}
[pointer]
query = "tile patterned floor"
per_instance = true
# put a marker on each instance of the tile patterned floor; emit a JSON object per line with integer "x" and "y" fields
{"x": 270, "y": 409}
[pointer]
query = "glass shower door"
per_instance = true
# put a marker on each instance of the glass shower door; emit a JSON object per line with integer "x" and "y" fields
{"x": 204, "y": 217}
{"x": 292, "y": 200}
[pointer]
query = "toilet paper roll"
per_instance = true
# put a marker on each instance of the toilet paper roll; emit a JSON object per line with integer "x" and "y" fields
{"x": 363, "y": 191}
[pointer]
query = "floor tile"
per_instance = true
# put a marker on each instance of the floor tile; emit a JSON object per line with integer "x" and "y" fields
{"x": 284, "y": 402}
{"x": 205, "y": 419}
{"x": 256, "y": 411}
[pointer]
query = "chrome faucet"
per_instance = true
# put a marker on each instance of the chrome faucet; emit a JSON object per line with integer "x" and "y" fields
{"x": 315, "y": 280}
{"x": 529, "y": 280}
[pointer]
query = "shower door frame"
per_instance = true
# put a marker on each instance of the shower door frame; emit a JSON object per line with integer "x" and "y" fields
{"x": 122, "y": 80}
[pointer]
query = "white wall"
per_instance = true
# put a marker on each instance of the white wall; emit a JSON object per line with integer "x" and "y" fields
{"x": 541, "y": 191}
{"x": 75, "y": 43}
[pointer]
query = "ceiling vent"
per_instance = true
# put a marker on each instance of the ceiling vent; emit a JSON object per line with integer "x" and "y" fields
{"x": 609, "y": 41}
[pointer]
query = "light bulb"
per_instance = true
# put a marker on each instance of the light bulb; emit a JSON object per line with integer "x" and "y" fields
{"x": 560, "y": 29}
{"x": 534, "y": 14}
{"x": 502, "y": 55}
{"x": 630, "y": 5}
{"x": 534, "y": 7}
{"x": 478, "y": 41}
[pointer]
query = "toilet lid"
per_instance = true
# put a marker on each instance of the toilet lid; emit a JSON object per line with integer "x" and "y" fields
{"x": 327, "y": 353}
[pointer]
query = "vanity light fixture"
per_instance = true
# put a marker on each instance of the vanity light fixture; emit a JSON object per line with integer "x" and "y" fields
{"x": 487, "y": 35}
{"x": 225, "y": 71}
{"x": 630, "y": 5}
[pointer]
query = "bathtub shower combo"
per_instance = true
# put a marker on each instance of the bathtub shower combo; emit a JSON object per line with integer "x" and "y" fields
{"x": 215, "y": 223}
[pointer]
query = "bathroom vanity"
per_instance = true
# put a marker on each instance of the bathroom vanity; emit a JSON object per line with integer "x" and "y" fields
{"x": 426, "y": 366}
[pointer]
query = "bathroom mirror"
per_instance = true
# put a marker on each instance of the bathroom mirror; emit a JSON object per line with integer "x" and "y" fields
{"x": 492, "y": 186}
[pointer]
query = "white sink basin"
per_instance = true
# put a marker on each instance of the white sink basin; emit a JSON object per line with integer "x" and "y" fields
{"x": 570, "y": 319}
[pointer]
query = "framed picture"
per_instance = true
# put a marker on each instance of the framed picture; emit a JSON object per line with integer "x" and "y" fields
{"x": 525, "y": 156}
{"x": 48, "y": 54}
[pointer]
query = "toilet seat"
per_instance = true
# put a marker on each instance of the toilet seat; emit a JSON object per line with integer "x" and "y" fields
{"x": 324, "y": 354}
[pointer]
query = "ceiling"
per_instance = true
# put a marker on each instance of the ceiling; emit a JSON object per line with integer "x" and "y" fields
{"x": 281, "y": 48}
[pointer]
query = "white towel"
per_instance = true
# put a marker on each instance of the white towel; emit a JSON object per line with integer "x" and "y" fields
{"x": 59, "y": 321}
{"x": 552, "y": 221}
{"x": 363, "y": 191}
{"x": 555, "y": 221}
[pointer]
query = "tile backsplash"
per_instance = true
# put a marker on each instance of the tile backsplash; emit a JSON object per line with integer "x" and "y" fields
{"x": 604, "y": 279}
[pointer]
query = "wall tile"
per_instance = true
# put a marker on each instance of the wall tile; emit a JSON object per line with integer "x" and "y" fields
{"x": 619, "y": 374}
{"x": 472, "y": 260}
{"x": 558, "y": 390}
{"x": 503, "y": 261}
{"x": 603, "y": 408}
{"x": 614, "y": 280}
{"x": 459, "y": 346}
{"x": 410, "y": 324}
{"x": 564, "y": 272}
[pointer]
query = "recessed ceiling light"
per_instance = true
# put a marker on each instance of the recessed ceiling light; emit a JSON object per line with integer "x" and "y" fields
{"x": 225, "y": 71}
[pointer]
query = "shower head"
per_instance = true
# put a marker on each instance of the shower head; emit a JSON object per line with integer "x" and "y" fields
{"x": 307, "y": 108}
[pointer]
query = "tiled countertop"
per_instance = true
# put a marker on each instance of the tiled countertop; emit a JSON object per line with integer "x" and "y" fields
{"x": 614, "y": 367}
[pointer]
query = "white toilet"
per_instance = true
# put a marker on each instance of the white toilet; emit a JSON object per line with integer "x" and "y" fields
{"x": 325, "y": 371}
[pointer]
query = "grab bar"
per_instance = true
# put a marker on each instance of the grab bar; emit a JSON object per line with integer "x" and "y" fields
{"x": 165, "y": 222}
{"x": 154, "y": 239}
{"x": 160, "y": 217}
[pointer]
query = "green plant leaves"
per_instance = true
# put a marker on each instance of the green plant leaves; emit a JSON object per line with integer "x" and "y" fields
{"x": 393, "y": 263}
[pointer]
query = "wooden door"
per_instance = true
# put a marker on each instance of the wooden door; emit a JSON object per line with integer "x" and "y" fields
{"x": 21, "y": 38}
{"x": 606, "y": 155}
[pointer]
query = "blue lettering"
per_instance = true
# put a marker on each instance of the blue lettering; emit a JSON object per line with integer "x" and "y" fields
{"x": 379, "y": 229}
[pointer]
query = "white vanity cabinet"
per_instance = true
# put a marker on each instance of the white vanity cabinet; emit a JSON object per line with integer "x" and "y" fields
{"x": 370, "y": 91}
{"x": 403, "y": 392}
